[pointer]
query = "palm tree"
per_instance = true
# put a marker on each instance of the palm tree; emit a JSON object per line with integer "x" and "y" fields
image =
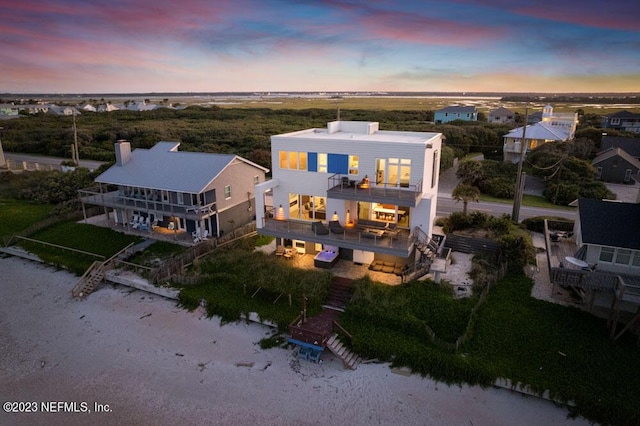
{"x": 465, "y": 193}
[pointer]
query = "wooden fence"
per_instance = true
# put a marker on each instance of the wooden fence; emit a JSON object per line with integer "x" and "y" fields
{"x": 173, "y": 269}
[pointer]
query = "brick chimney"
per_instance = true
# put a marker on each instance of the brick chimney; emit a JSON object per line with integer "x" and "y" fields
{"x": 123, "y": 152}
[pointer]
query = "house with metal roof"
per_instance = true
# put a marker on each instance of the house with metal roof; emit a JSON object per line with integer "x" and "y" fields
{"x": 554, "y": 127}
{"x": 162, "y": 189}
{"x": 455, "y": 112}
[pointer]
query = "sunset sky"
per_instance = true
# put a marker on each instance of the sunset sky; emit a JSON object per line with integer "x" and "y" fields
{"x": 118, "y": 46}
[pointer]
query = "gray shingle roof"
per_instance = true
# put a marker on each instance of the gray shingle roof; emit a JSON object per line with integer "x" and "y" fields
{"x": 164, "y": 167}
{"x": 610, "y": 223}
{"x": 630, "y": 145}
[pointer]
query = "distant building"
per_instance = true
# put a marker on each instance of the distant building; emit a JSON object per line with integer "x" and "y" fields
{"x": 455, "y": 112}
{"x": 554, "y": 127}
{"x": 63, "y": 110}
{"x": 502, "y": 116}
{"x": 623, "y": 120}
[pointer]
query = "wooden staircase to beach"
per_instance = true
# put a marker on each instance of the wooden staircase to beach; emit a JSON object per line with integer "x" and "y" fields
{"x": 91, "y": 279}
{"x": 94, "y": 276}
{"x": 350, "y": 359}
{"x": 339, "y": 295}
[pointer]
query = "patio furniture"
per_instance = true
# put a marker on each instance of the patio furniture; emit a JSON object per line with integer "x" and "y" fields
{"x": 304, "y": 352}
{"x": 280, "y": 250}
{"x": 319, "y": 229}
{"x": 335, "y": 227}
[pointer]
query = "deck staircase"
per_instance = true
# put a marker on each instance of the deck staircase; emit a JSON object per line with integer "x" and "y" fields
{"x": 348, "y": 358}
{"x": 92, "y": 278}
{"x": 428, "y": 248}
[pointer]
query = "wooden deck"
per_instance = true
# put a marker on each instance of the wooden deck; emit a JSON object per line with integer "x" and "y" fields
{"x": 318, "y": 329}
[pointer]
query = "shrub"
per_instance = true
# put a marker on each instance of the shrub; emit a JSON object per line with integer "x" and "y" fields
{"x": 499, "y": 187}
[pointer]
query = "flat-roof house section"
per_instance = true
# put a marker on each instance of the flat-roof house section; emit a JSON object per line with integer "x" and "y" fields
{"x": 355, "y": 174}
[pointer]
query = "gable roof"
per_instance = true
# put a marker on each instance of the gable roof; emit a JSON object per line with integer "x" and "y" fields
{"x": 609, "y": 223}
{"x": 458, "y": 108}
{"x": 612, "y": 152}
{"x": 500, "y": 111}
{"x": 164, "y": 167}
{"x": 540, "y": 131}
{"x": 630, "y": 145}
{"x": 623, "y": 114}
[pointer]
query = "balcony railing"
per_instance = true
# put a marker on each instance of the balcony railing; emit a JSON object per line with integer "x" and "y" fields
{"x": 342, "y": 187}
{"x": 398, "y": 242}
{"x": 115, "y": 199}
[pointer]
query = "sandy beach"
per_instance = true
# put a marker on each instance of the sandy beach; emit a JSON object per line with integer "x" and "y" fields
{"x": 152, "y": 362}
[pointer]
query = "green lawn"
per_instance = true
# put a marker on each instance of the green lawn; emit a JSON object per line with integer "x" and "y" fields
{"x": 527, "y": 200}
{"x": 16, "y": 215}
{"x": 79, "y": 236}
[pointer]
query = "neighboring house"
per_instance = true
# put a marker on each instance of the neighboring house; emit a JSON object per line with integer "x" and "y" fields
{"x": 451, "y": 113}
{"x": 376, "y": 189}
{"x": 164, "y": 189}
{"x": 608, "y": 234}
{"x": 617, "y": 166}
{"x": 502, "y": 116}
{"x": 554, "y": 127}
{"x": 107, "y": 107}
{"x": 89, "y": 107}
{"x": 9, "y": 109}
{"x": 630, "y": 145}
{"x": 623, "y": 120}
{"x": 63, "y": 110}
{"x": 140, "y": 106}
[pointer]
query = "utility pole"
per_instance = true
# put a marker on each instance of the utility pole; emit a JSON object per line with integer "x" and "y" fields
{"x": 3, "y": 162}
{"x": 517, "y": 199}
{"x": 76, "y": 157}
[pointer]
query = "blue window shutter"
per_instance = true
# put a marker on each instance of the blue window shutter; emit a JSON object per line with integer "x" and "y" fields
{"x": 338, "y": 163}
{"x": 312, "y": 161}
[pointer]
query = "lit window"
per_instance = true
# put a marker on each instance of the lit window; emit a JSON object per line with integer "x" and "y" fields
{"x": 227, "y": 192}
{"x": 353, "y": 164}
{"x": 293, "y": 160}
{"x": 302, "y": 163}
{"x": 322, "y": 163}
{"x": 283, "y": 159}
{"x": 623, "y": 256}
{"x": 606, "y": 254}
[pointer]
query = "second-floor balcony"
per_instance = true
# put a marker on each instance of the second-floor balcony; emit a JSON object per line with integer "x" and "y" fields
{"x": 115, "y": 199}
{"x": 397, "y": 243}
{"x": 342, "y": 187}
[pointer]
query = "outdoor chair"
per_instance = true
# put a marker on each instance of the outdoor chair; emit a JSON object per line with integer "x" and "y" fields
{"x": 335, "y": 227}
{"x": 280, "y": 250}
{"x": 319, "y": 229}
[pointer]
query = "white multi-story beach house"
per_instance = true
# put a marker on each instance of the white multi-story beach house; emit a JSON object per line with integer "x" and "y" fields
{"x": 351, "y": 191}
